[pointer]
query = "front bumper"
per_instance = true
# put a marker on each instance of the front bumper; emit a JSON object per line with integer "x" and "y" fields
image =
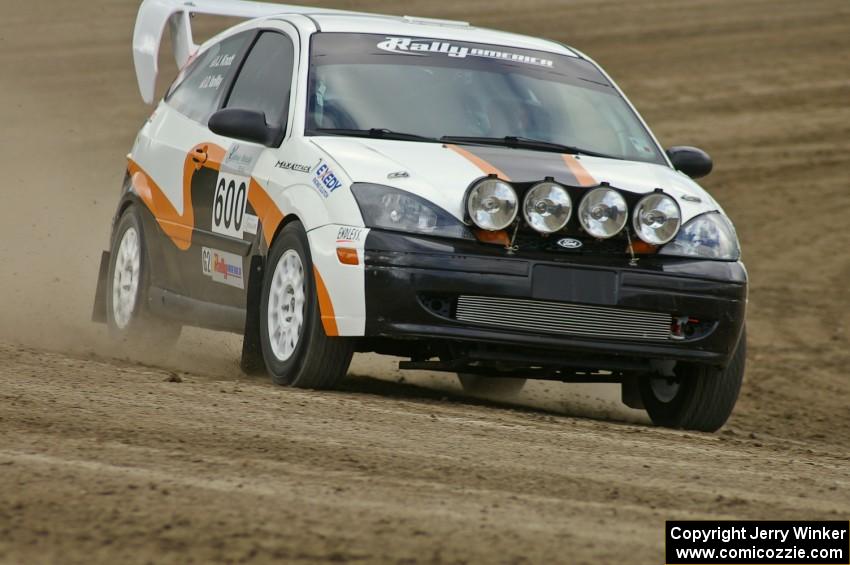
{"x": 413, "y": 285}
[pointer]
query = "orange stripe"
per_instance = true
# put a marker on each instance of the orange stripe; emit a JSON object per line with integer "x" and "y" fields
{"x": 485, "y": 166}
{"x": 177, "y": 227}
{"x": 578, "y": 171}
{"x": 640, "y": 246}
{"x": 326, "y": 307}
{"x": 180, "y": 227}
{"x": 500, "y": 237}
{"x": 265, "y": 208}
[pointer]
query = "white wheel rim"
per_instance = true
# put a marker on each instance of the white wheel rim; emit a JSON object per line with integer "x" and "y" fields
{"x": 286, "y": 305}
{"x": 125, "y": 279}
{"x": 664, "y": 389}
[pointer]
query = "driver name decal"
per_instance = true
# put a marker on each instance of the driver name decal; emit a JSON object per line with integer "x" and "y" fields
{"x": 410, "y": 46}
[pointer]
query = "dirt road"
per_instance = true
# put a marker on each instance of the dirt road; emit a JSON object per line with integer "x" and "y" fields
{"x": 117, "y": 462}
{"x": 105, "y": 460}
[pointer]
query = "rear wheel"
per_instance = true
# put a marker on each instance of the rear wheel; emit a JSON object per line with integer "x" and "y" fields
{"x": 296, "y": 349}
{"x": 698, "y": 397}
{"x": 130, "y": 323}
{"x": 498, "y": 386}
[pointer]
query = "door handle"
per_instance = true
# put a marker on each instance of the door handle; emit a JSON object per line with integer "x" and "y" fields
{"x": 199, "y": 157}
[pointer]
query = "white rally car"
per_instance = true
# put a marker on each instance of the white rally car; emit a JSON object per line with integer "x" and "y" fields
{"x": 478, "y": 202}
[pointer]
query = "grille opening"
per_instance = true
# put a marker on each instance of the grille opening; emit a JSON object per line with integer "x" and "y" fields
{"x": 582, "y": 320}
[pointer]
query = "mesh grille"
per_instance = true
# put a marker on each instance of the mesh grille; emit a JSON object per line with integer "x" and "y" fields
{"x": 560, "y": 318}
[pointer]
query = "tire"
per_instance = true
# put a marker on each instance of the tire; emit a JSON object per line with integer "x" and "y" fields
{"x": 700, "y": 398}
{"x": 297, "y": 354}
{"x": 131, "y": 325}
{"x": 497, "y": 386}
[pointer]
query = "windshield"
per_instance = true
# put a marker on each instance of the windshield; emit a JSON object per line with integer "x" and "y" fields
{"x": 435, "y": 88}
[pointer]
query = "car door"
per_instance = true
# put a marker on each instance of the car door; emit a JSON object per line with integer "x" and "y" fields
{"x": 263, "y": 83}
{"x": 177, "y": 154}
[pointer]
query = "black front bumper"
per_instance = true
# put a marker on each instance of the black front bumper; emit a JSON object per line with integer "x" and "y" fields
{"x": 413, "y": 283}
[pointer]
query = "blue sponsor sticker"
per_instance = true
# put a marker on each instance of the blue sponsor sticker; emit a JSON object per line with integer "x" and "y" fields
{"x": 325, "y": 179}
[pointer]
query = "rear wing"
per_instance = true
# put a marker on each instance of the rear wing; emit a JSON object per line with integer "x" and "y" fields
{"x": 155, "y": 15}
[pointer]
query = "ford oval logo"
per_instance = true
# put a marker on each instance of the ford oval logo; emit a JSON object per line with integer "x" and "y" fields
{"x": 569, "y": 243}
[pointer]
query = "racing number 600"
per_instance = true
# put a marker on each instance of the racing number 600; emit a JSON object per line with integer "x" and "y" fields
{"x": 229, "y": 205}
{"x": 228, "y": 208}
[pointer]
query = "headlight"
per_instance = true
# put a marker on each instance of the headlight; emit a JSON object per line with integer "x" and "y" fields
{"x": 710, "y": 236}
{"x": 492, "y": 204}
{"x": 393, "y": 209}
{"x": 657, "y": 218}
{"x": 547, "y": 207}
{"x": 603, "y": 212}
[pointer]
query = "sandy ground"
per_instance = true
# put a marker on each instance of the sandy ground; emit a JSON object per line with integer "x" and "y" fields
{"x": 109, "y": 460}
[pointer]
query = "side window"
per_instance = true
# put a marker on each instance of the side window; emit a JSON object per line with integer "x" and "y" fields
{"x": 198, "y": 89}
{"x": 265, "y": 80}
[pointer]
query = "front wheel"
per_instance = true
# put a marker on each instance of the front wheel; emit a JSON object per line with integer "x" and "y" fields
{"x": 295, "y": 347}
{"x": 698, "y": 397}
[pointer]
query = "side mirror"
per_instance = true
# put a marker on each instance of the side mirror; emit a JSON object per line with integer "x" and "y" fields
{"x": 247, "y": 125}
{"x": 692, "y": 161}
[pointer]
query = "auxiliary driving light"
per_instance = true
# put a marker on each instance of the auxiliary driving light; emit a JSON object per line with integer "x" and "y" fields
{"x": 547, "y": 207}
{"x": 657, "y": 218}
{"x": 492, "y": 204}
{"x": 603, "y": 212}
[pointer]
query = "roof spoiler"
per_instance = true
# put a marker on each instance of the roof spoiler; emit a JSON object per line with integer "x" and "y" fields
{"x": 154, "y": 15}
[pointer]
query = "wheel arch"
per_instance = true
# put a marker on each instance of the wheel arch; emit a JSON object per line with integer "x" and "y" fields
{"x": 287, "y": 219}
{"x": 127, "y": 199}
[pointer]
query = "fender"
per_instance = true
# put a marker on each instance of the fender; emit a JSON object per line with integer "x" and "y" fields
{"x": 303, "y": 201}
{"x": 128, "y": 198}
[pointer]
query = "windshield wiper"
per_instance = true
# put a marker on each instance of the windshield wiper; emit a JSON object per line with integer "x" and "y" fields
{"x": 507, "y": 141}
{"x": 525, "y": 143}
{"x": 379, "y": 133}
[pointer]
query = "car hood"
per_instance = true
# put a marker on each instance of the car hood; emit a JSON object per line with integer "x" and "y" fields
{"x": 441, "y": 173}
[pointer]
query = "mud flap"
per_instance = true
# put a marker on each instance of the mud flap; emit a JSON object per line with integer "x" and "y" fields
{"x": 98, "y": 313}
{"x": 630, "y": 393}
{"x": 252, "y": 362}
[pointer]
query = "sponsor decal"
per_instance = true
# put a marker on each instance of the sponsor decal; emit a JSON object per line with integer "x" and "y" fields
{"x": 240, "y": 159}
{"x": 222, "y": 267}
{"x": 290, "y": 166}
{"x": 346, "y": 234}
{"x": 228, "y": 209}
{"x": 325, "y": 179}
{"x": 410, "y": 46}
{"x": 250, "y": 224}
{"x": 569, "y": 243}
